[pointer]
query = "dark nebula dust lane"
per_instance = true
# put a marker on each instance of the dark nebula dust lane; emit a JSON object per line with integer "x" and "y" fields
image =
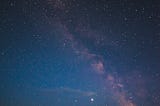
{"x": 79, "y": 53}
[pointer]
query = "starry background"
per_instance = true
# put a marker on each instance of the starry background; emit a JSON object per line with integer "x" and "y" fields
{"x": 79, "y": 53}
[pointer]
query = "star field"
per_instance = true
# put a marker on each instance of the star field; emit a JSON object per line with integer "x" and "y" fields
{"x": 79, "y": 53}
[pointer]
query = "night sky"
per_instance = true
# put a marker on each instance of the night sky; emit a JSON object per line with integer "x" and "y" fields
{"x": 79, "y": 53}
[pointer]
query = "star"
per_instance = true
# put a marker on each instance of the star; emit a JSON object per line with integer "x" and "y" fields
{"x": 76, "y": 100}
{"x": 92, "y": 99}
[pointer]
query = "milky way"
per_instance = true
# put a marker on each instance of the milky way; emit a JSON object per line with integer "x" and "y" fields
{"x": 79, "y": 53}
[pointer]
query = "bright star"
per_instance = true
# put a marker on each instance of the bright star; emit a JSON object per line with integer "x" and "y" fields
{"x": 92, "y": 99}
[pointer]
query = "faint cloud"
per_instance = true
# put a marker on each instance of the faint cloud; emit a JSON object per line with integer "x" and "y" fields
{"x": 69, "y": 90}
